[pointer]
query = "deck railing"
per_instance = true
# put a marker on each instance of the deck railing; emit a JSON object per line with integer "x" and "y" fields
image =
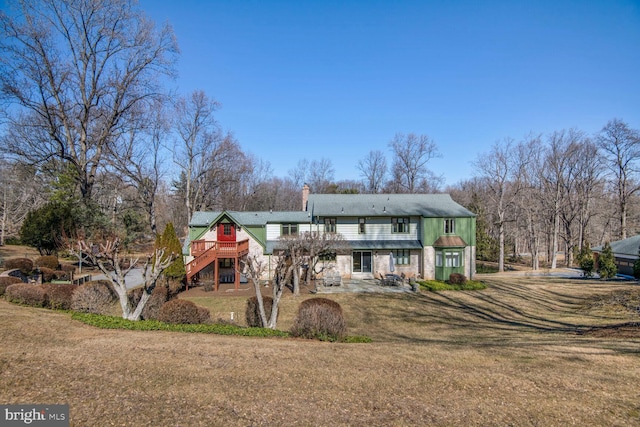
{"x": 207, "y": 251}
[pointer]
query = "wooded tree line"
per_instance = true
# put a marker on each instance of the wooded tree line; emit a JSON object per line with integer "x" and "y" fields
{"x": 89, "y": 125}
{"x": 555, "y": 193}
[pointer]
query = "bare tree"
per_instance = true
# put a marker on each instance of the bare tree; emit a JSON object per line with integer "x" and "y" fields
{"x": 559, "y": 159}
{"x": 621, "y": 147}
{"x": 412, "y": 154}
{"x": 198, "y": 131}
{"x": 373, "y": 169}
{"x": 498, "y": 170}
{"x": 21, "y": 192}
{"x": 321, "y": 175}
{"x": 107, "y": 257}
{"x": 300, "y": 174}
{"x": 305, "y": 249}
{"x": 255, "y": 267}
{"x": 78, "y": 69}
{"x": 528, "y": 199}
{"x": 137, "y": 158}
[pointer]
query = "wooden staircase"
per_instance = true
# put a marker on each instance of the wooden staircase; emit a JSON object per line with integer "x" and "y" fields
{"x": 206, "y": 252}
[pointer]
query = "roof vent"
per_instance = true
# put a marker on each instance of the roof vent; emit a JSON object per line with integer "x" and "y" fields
{"x": 384, "y": 209}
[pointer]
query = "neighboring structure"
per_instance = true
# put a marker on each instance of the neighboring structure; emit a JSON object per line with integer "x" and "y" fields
{"x": 420, "y": 235}
{"x": 625, "y": 252}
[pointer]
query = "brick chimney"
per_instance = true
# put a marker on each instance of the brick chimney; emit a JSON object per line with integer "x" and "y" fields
{"x": 305, "y": 196}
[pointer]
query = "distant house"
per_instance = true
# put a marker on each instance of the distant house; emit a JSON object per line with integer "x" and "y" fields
{"x": 426, "y": 235}
{"x": 625, "y": 252}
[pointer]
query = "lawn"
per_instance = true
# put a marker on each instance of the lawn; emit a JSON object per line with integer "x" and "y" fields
{"x": 524, "y": 351}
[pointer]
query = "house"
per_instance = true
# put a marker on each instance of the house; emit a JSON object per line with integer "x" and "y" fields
{"x": 625, "y": 252}
{"x": 420, "y": 235}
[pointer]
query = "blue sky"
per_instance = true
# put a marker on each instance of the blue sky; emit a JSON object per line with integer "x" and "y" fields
{"x": 336, "y": 79}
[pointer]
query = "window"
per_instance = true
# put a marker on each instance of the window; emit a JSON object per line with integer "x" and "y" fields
{"x": 362, "y": 222}
{"x": 330, "y": 225}
{"x": 452, "y": 259}
{"x": 399, "y": 225}
{"x": 449, "y": 226}
{"x": 289, "y": 229}
{"x": 227, "y": 229}
{"x": 328, "y": 256}
{"x": 401, "y": 256}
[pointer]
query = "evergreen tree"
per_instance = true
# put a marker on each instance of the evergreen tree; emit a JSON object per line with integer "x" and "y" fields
{"x": 606, "y": 263}
{"x": 169, "y": 240}
{"x": 47, "y": 227}
{"x": 586, "y": 261}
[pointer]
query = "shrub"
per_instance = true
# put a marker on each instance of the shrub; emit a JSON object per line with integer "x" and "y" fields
{"x": 607, "y": 263}
{"x": 47, "y": 274}
{"x": 94, "y": 297}
{"x": 252, "y": 312}
{"x": 25, "y": 265}
{"x": 67, "y": 267}
{"x": 48, "y": 261}
{"x": 180, "y": 311}
{"x": 59, "y": 296}
{"x": 7, "y": 281}
{"x": 457, "y": 279}
{"x": 319, "y": 318}
{"x": 63, "y": 275}
{"x": 27, "y": 294}
{"x": 151, "y": 310}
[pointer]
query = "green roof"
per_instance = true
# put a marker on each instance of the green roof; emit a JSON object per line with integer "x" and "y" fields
{"x": 627, "y": 246}
{"x": 250, "y": 218}
{"x": 425, "y": 205}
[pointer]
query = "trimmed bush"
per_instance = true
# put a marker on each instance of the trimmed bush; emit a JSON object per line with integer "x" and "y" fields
{"x": 67, "y": 267}
{"x": 457, "y": 279}
{"x": 25, "y": 265}
{"x": 151, "y": 310}
{"x": 7, "y": 281}
{"x": 180, "y": 311}
{"x": 59, "y": 296}
{"x": 48, "y": 261}
{"x": 27, "y": 294}
{"x": 319, "y": 318}
{"x": 252, "y": 312}
{"x": 94, "y": 297}
{"x": 47, "y": 274}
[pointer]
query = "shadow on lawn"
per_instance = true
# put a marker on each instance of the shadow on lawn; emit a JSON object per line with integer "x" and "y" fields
{"x": 529, "y": 313}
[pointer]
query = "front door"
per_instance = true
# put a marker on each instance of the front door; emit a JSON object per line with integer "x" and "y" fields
{"x": 226, "y": 232}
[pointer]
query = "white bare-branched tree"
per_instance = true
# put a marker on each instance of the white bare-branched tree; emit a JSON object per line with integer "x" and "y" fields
{"x": 306, "y": 249}
{"x": 255, "y": 268}
{"x": 76, "y": 70}
{"x": 106, "y": 257}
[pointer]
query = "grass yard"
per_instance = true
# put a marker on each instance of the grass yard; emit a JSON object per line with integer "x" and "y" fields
{"x": 525, "y": 351}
